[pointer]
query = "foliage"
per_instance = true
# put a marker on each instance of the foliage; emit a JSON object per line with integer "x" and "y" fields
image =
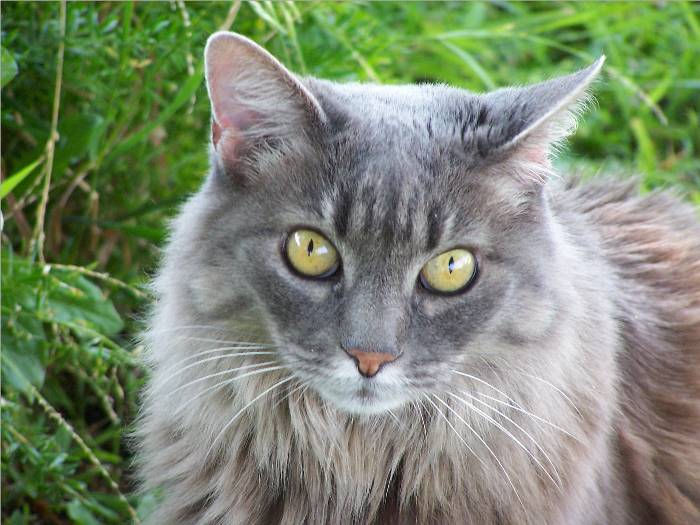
{"x": 86, "y": 207}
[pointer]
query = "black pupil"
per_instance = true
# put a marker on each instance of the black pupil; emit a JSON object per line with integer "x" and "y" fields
{"x": 310, "y": 247}
{"x": 451, "y": 264}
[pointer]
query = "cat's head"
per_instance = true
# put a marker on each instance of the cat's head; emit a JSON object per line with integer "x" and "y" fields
{"x": 387, "y": 237}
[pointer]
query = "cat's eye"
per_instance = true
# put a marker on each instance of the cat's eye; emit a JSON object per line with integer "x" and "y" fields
{"x": 449, "y": 272}
{"x": 311, "y": 254}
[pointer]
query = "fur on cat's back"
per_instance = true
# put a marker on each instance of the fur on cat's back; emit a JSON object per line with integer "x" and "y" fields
{"x": 561, "y": 386}
{"x": 653, "y": 243}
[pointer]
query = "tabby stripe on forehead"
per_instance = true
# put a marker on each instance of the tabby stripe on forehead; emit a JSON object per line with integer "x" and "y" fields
{"x": 343, "y": 207}
{"x": 434, "y": 227}
{"x": 369, "y": 200}
{"x": 392, "y": 201}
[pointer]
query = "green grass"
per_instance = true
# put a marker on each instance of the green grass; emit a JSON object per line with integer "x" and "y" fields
{"x": 84, "y": 217}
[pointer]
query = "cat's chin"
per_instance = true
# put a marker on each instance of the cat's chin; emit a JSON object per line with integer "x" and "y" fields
{"x": 367, "y": 402}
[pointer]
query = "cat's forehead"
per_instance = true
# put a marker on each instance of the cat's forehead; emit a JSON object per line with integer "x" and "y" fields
{"x": 397, "y": 171}
{"x": 394, "y": 109}
{"x": 390, "y": 208}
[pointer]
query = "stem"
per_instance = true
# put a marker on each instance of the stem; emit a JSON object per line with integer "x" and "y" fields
{"x": 37, "y": 243}
{"x": 102, "y": 276}
{"x": 58, "y": 418}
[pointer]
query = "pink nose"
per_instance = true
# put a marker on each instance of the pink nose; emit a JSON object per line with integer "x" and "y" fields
{"x": 369, "y": 363}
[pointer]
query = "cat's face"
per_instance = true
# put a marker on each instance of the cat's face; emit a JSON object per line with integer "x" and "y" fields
{"x": 332, "y": 207}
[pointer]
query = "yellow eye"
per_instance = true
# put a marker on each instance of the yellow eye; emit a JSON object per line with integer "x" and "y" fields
{"x": 449, "y": 272}
{"x": 311, "y": 254}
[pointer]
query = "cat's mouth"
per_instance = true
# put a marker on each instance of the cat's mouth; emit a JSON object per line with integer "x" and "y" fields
{"x": 345, "y": 388}
{"x": 365, "y": 398}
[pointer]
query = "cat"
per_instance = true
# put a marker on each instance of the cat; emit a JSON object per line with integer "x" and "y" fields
{"x": 384, "y": 306}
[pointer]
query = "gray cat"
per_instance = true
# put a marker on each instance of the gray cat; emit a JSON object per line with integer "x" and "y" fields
{"x": 384, "y": 307}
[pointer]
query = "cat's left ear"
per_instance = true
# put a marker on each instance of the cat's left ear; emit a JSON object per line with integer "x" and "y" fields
{"x": 254, "y": 98}
{"x": 527, "y": 123}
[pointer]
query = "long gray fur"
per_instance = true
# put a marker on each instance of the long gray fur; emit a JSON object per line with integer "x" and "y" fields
{"x": 585, "y": 314}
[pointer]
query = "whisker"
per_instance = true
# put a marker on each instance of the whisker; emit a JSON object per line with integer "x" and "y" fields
{"x": 534, "y": 416}
{"x": 211, "y": 351}
{"x": 199, "y": 380}
{"x": 396, "y": 419}
{"x": 333, "y": 442}
{"x": 419, "y": 407}
{"x": 221, "y": 384}
{"x": 210, "y": 328}
{"x": 459, "y": 436}
{"x": 289, "y": 394}
{"x": 487, "y": 384}
{"x": 233, "y": 419}
{"x": 485, "y": 444}
{"x": 188, "y": 327}
{"x": 306, "y": 387}
{"x": 280, "y": 396}
{"x": 227, "y": 342}
{"x": 568, "y": 399}
{"x": 214, "y": 358}
{"x": 522, "y": 430}
{"x": 507, "y": 433}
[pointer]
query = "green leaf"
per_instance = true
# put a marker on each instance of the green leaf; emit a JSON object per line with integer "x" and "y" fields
{"x": 17, "y": 518}
{"x": 55, "y": 295}
{"x": 13, "y": 180}
{"x": 189, "y": 87}
{"x": 23, "y": 341}
{"x": 80, "y": 514}
{"x": 472, "y": 63}
{"x": 646, "y": 153}
{"x": 79, "y": 135}
{"x": 75, "y": 300}
{"x": 8, "y": 71}
{"x": 22, "y": 370}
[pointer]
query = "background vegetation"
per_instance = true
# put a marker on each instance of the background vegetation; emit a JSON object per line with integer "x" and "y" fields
{"x": 104, "y": 129}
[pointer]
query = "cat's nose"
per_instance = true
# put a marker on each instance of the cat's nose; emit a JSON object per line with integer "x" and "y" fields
{"x": 369, "y": 363}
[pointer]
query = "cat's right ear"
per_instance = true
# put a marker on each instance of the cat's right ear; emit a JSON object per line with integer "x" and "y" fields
{"x": 254, "y": 98}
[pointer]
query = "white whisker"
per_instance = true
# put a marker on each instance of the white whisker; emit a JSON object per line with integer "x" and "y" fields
{"x": 210, "y": 328}
{"x": 306, "y": 387}
{"x": 507, "y": 433}
{"x": 289, "y": 394}
{"x": 214, "y": 358}
{"x": 188, "y": 327}
{"x": 487, "y": 384}
{"x": 568, "y": 399}
{"x": 534, "y": 416}
{"x": 522, "y": 430}
{"x": 227, "y": 342}
{"x": 221, "y": 384}
{"x": 459, "y": 436}
{"x": 396, "y": 419}
{"x": 418, "y": 406}
{"x": 199, "y": 380}
{"x": 485, "y": 444}
{"x": 233, "y": 419}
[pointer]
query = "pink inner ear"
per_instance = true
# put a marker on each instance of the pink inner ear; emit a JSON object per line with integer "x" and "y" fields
{"x": 228, "y": 134}
{"x": 226, "y": 101}
{"x": 227, "y": 142}
{"x": 238, "y": 121}
{"x": 242, "y": 119}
